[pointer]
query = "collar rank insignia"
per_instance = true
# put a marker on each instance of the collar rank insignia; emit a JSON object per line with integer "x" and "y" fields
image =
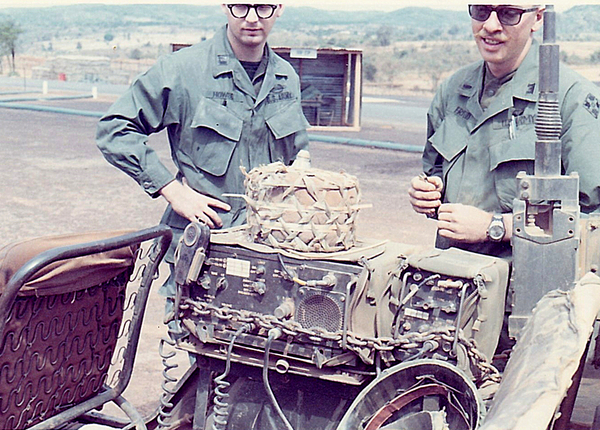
{"x": 223, "y": 59}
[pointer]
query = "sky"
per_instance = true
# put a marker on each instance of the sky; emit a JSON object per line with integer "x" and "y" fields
{"x": 358, "y": 5}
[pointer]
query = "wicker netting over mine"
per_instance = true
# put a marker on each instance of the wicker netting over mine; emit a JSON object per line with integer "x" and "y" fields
{"x": 302, "y": 208}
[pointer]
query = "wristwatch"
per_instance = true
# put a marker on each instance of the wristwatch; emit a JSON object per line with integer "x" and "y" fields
{"x": 496, "y": 229}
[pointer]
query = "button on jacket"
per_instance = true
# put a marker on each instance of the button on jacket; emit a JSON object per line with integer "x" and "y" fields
{"x": 215, "y": 118}
{"x": 478, "y": 153}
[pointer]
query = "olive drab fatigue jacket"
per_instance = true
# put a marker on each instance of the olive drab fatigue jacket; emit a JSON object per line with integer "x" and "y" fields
{"x": 478, "y": 153}
{"x": 216, "y": 122}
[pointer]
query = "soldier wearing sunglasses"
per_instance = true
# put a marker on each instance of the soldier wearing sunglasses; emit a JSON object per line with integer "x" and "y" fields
{"x": 225, "y": 103}
{"x": 481, "y": 133}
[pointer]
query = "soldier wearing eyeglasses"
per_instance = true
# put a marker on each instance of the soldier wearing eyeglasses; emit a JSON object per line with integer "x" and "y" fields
{"x": 481, "y": 133}
{"x": 222, "y": 104}
{"x": 225, "y": 103}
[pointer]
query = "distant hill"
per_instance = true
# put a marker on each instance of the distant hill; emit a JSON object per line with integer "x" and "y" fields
{"x": 579, "y": 22}
{"x": 99, "y": 15}
{"x": 410, "y": 49}
{"x": 432, "y": 23}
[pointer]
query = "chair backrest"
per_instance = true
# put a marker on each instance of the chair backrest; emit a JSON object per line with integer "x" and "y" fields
{"x": 71, "y": 309}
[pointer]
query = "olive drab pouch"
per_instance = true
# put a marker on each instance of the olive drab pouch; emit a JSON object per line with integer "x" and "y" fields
{"x": 440, "y": 303}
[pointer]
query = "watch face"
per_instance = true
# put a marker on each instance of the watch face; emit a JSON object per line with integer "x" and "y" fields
{"x": 496, "y": 232}
{"x": 496, "y": 229}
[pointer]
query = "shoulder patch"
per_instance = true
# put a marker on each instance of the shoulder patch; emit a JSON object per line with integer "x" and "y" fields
{"x": 592, "y": 105}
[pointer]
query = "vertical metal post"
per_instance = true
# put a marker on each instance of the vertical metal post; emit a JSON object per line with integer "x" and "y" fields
{"x": 546, "y": 233}
{"x": 548, "y": 124}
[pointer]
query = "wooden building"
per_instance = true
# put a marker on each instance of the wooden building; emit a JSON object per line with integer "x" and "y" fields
{"x": 331, "y": 81}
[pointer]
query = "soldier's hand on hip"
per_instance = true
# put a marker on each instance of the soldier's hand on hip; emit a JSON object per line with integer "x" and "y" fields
{"x": 193, "y": 205}
{"x": 425, "y": 194}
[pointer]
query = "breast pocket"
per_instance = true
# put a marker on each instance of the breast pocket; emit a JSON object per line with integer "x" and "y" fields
{"x": 215, "y": 134}
{"x": 507, "y": 159}
{"x": 284, "y": 124}
{"x": 450, "y": 141}
{"x": 287, "y": 120}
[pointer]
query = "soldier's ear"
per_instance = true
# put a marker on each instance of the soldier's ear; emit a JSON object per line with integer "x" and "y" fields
{"x": 539, "y": 19}
{"x": 280, "y": 10}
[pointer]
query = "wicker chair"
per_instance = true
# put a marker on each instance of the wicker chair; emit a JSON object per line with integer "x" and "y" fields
{"x": 71, "y": 310}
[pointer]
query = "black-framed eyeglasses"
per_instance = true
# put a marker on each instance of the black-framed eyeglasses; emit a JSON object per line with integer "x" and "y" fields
{"x": 507, "y": 15}
{"x": 263, "y": 11}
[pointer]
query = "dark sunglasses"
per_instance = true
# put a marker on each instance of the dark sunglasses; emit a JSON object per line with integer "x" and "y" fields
{"x": 507, "y": 15}
{"x": 263, "y": 11}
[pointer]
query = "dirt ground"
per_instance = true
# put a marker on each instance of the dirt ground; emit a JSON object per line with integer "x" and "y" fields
{"x": 54, "y": 180}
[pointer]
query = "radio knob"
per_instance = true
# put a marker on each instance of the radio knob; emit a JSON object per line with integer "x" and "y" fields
{"x": 284, "y": 310}
{"x": 222, "y": 283}
{"x": 205, "y": 281}
{"x": 259, "y": 287}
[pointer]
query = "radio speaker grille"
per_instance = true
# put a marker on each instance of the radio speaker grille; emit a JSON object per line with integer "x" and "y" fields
{"x": 319, "y": 311}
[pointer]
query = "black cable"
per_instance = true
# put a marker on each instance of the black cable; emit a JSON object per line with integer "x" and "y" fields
{"x": 221, "y": 406}
{"x": 274, "y": 333}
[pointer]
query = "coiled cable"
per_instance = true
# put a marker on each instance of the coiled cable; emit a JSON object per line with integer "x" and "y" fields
{"x": 274, "y": 333}
{"x": 168, "y": 382}
{"x": 221, "y": 408}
